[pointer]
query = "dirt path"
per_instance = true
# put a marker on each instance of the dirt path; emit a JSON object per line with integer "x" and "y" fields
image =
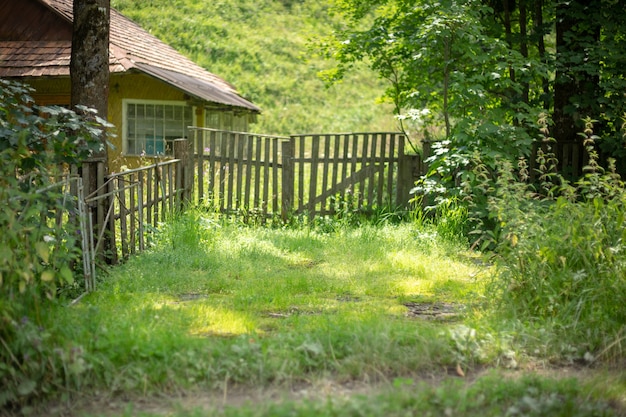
{"x": 175, "y": 403}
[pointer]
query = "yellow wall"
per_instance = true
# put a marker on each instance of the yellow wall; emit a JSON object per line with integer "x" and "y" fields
{"x": 122, "y": 86}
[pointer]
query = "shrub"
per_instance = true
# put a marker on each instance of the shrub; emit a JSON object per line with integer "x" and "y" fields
{"x": 560, "y": 252}
{"x": 36, "y": 250}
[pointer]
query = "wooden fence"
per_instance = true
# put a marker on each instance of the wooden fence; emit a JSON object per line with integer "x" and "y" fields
{"x": 263, "y": 175}
{"x": 314, "y": 174}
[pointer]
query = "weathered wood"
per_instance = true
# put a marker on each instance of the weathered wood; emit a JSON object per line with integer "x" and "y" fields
{"x": 123, "y": 220}
{"x": 402, "y": 173}
{"x": 133, "y": 225}
{"x": 275, "y": 184}
{"x": 265, "y": 200}
{"x": 325, "y": 165}
{"x": 257, "y": 173}
{"x": 301, "y": 174}
{"x": 287, "y": 178}
{"x": 140, "y": 208}
{"x": 212, "y": 162}
{"x": 315, "y": 149}
{"x": 223, "y": 169}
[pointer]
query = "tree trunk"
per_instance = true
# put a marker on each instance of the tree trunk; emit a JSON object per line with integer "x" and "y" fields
{"x": 89, "y": 73}
{"x": 523, "y": 45}
{"x": 89, "y": 66}
{"x": 539, "y": 32}
{"x": 577, "y": 76}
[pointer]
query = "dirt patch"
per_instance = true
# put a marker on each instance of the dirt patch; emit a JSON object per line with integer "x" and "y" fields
{"x": 189, "y": 401}
{"x": 434, "y": 311}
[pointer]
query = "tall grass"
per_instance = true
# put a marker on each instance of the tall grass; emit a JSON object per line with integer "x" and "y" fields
{"x": 560, "y": 258}
{"x": 218, "y": 302}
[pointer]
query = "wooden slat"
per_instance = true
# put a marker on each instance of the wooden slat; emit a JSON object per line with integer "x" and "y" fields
{"x": 133, "y": 225}
{"x": 381, "y": 169}
{"x": 149, "y": 201}
{"x": 212, "y": 162}
{"x": 363, "y": 158}
{"x": 275, "y": 186}
{"x": 249, "y": 163}
{"x": 399, "y": 197}
{"x": 344, "y": 161}
{"x": 223, "y": 177}
{"x": 315, "y": 148}
{"x": 300, "y": 168}
{"x": 157, "y": 185}
{"x": 371, "y": 180}
{"x": 391, "y": 169}
{"x": 258, "y": 147}
{"x": 266, "y": 176}
{"x": 140, "y": 208}
{"x": 200, "y": 141}
{"x": 112, "y": 229}
{"x": 325, "y": 164}
{"x": 335, "y": 162}
{"x": 170, "y": 189}
{"x": 122, "y": 214}
{"x": 241, "y": 169}
{"x": 231, "y": 171}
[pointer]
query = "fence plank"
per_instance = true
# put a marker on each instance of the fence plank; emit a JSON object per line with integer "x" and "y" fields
{"x": 391, "y": 170}
{"x": 258, "y": 202}
{"x": 325, "y": 165}
{"x": 200, "y": 161}
{"x": 275, "y": 184}
{"x": 266, "y": 177}
{"x": 315, "y": 148}
{"x": 131, "y": 199}
{"x": 287, "y": 178}
{"x": 122, "y": 214}
{"x": 212, "y": 162}
{"x": 249, "y": 164}
{"x": 141, "y": 229}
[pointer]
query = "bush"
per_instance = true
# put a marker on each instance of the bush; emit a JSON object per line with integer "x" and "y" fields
{"x": 561, "y": 251}
{"x": 36, "y": 249}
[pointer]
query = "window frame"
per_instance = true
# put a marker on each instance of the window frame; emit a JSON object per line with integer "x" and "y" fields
{"x": 125, "y": 122}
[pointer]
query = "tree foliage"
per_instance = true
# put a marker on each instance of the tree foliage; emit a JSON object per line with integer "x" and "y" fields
{"x": 479, "y": 72}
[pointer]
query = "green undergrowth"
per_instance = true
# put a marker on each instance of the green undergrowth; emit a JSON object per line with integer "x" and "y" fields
{"x": 216, "y": 301}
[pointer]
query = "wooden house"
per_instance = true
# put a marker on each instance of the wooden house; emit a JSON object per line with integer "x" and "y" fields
{"x": 154, "y": 91}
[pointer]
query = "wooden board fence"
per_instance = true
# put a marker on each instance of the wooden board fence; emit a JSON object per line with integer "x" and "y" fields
{"x": 316, "y": 174}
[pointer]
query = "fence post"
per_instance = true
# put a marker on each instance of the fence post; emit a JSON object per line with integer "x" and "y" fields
{"x": 287, "y": 178}
{"x": 184, "y": 170}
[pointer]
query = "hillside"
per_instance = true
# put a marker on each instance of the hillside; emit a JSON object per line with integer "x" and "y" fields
{"x": 261, "y": 46}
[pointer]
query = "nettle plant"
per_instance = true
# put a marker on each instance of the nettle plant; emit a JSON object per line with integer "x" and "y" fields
{"x": 37, "y": 250}
{"x": 560, "y": 251}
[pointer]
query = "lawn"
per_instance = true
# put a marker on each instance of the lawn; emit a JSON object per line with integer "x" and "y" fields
{"x": 219, "y": 318}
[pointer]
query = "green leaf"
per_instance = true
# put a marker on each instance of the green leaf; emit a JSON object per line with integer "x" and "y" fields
{"x": 43, "y": 251}
{"x": 26, "y": 387}
{"x": 47, "y": 275}
{"x": 67, "y": 275}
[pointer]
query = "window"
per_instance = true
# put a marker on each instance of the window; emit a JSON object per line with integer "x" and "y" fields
{"x": 152, "y": 127}
{"x": 226, "y": 120}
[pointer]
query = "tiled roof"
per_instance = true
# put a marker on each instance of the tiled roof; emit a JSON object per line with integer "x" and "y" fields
{"x": 131, "y": 47}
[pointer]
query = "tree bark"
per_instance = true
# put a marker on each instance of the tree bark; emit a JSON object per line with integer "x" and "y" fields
{"x": 89, "y": 65}
{"x": 577, "y": 76}
{"x": 89, "y": 73}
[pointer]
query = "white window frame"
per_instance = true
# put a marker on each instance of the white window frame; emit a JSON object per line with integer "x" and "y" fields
{"x": 125, "y": 123}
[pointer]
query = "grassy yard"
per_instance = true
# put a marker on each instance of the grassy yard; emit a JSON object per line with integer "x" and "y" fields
{"x": 224, "y": 319}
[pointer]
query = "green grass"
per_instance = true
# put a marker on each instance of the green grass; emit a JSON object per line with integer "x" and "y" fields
{"x": 216, "y": 304}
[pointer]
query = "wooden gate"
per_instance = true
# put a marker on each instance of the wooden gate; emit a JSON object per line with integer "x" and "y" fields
{"x": 314, "y": 174}
{"x": 344, "y": 172}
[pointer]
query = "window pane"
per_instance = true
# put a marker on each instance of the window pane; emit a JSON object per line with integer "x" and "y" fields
{"x": 153, "y": 127}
